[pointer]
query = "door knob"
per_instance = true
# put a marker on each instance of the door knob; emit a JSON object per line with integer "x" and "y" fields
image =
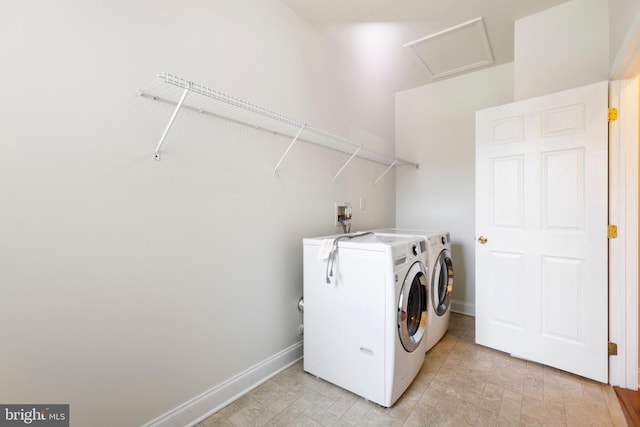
{"x": 483, "y": 240}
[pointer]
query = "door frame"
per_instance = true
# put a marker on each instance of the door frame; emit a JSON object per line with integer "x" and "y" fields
{"x": 623, "y": 250}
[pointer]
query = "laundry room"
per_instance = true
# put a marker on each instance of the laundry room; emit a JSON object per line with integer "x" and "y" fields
{"x": 151, "y": 256}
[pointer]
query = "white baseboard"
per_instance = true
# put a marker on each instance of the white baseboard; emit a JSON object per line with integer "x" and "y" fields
{"x": 211, "y": 401}
{"x": 463, "y": 307}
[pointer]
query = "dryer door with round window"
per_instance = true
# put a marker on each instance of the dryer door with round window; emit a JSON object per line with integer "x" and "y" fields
{"x": 412, "y": 308}
{"x": 442, "y": 283}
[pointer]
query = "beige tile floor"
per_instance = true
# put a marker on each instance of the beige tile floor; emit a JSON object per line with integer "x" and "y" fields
{"x": 460, "y": 384}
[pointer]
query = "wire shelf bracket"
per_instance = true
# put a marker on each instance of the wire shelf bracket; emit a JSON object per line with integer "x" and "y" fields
{"x": 346, "y": 163}
{"x": 385, "y": 172}
{"x": 215, "y": 103}
{"x": 295, "y": 139}
{"x": 171, "y": 120}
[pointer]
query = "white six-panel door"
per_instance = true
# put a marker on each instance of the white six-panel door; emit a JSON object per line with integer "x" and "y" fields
{"x": 541, "y": 229}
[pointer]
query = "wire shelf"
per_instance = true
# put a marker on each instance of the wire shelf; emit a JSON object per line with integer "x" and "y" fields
{"x": 175, "y": 91}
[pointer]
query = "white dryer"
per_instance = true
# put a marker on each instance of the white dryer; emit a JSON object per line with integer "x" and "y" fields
{"x": 440, "y": 273}
{"x": 365, "y": 312}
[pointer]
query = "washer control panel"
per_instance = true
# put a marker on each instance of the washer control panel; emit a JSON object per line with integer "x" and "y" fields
{"x": 405, "y": 253}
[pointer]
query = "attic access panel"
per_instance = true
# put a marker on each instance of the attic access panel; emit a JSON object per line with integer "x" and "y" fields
{"x": 456, "y": 49}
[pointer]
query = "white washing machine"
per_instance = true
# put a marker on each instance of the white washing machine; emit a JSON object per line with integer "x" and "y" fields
{"x": 365, "y": 312}
{"x": 440, "y": 273}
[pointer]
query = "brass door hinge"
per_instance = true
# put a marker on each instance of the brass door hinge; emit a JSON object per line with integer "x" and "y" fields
{"x": 613, "y": 114}
{"x": 612, "y": 231}
{"x": 612, "y": 348}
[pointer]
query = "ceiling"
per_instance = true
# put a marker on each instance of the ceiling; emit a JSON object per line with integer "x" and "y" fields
{"x": 375, "y": 32}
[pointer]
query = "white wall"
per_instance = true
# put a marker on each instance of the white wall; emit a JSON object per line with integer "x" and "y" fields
{"x": 130, "y": 286}
{"x": 559, "y": 48}
{"x": 435, "y": 126}
{"x": 562, "y": 47}
{"x": 622, "y": 14}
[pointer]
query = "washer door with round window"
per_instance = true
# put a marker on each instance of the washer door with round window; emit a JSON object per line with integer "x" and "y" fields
{"x": 412, "y": 308}
{"x": 442, "y": 283}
